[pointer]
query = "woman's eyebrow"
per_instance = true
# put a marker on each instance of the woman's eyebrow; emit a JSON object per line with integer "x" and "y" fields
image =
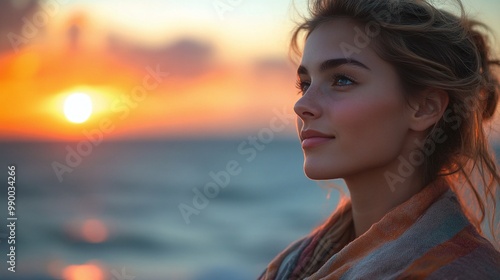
{"x": 332, "y": 63}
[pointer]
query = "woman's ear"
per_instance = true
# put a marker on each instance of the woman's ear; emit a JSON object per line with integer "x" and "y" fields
{"x": 427, "y": 109}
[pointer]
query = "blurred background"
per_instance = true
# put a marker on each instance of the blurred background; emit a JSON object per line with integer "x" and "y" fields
{"x": 155, "y": 139}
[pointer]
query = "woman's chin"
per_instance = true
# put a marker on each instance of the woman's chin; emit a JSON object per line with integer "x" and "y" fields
{"x": 319, "y": 173}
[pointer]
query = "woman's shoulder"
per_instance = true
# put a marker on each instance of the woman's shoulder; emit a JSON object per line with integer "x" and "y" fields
{"x": 482, "y": 263}
{"x": 468, "y": 255}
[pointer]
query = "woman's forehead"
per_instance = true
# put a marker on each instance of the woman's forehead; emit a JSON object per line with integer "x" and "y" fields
{"x": 339, "y": 38}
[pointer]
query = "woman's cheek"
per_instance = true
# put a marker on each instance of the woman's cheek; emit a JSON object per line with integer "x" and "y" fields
{"x": 368, "y": 118}
{"x": 349, "y": 115}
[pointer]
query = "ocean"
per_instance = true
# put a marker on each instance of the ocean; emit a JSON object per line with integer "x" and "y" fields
{"x": 174, "y": 209}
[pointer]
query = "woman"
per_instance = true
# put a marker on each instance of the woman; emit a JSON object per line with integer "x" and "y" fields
{"x": 395, "y": 94}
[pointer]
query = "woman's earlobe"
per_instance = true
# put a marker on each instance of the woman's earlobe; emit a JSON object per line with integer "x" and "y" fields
{"x": 428, "y": 109}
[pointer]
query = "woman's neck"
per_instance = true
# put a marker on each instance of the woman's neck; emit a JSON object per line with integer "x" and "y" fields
{"x": 373, "y": 195}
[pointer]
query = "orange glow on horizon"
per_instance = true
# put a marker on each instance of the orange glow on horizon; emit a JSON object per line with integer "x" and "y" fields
{"x": 221, "y": 101}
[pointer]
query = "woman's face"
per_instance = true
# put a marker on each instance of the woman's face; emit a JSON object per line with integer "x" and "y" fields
{"x": 352, "y": 116}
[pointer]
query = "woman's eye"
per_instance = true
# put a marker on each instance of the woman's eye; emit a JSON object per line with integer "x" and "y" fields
{"x": 302, "y": 86}
{"x": 339, "y": 80}
{"x": 342, "y": 81}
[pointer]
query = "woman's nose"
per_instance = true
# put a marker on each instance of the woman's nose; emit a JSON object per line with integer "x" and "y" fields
{"x": 307, "y": 107}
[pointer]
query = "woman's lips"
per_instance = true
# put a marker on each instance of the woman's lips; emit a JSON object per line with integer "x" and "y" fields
{"x": 313, "y": 138}
{"x": 315, "y": 141}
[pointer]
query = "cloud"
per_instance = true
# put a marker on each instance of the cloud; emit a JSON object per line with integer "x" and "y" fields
{"x": 185, "y": 57}
{"x": 276, "y": 66}
{"x": 12, "y": 13}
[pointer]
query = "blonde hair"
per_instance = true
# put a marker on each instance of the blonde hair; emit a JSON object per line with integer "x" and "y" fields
{"x": 433, "y": 48}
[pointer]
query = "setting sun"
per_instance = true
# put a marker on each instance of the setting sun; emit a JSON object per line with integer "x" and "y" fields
{"x": 78, "y": 107}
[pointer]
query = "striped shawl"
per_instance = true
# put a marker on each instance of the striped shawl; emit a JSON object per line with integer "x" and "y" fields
{"x": 426, "y": 237}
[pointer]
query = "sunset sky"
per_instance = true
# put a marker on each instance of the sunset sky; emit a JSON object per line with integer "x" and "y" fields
{"x": 221, "y": 66}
